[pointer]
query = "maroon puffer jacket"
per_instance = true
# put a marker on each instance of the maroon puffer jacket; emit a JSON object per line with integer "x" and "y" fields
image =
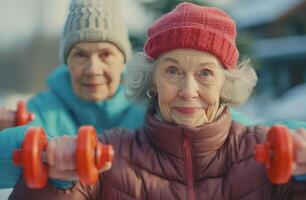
{"x": 167, "y": 162}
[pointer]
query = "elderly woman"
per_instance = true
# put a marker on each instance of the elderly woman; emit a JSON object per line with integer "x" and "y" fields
{"x": 84, "y": 90}
{"x": 189, "y": 147}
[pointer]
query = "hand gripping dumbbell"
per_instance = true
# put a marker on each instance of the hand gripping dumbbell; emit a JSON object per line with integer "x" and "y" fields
{"x": 277, "y": 154}
{"x": 22, "y": 115}
{"x": 91, "y": 156}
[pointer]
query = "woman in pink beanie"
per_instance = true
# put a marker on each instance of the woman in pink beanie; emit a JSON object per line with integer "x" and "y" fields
{"x": 189, "y": 148}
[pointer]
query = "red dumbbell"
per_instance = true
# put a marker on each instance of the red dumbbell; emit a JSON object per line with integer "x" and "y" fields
{"x": 91, "y": 156}
{"x": 22, "y": 115}
{"x": 277, "y": 154}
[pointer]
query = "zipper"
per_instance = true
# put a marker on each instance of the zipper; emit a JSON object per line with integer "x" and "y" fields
{"x": 189, "y": 170}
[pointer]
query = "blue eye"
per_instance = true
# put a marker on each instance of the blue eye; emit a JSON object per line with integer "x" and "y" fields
{"x": 172, "y": 70}
{"x": 205, "y": 73}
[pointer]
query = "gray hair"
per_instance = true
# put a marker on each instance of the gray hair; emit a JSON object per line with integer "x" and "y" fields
{"x": 238, "y": 85}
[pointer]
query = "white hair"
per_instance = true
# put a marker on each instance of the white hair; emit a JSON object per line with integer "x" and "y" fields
{"x": 238, "y": 85}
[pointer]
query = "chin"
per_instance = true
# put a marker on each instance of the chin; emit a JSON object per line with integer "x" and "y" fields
{"x": 185, "y": 123}
{"x": 189, "y": 121}
{"x": 94, "y": 98}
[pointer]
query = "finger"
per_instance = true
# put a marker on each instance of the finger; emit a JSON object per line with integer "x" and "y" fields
{"x": 299, "y": 143}
{"x": 7, "y": 118}
{"x": 69, "y": 155}
{"x": 299, "y": 169}
{"x": 4, "y": 125}
{"x": 106, "y": 167}
{"x": 301, "y": 132}
{"x": 65, "y": 153}
{"x": 7, "y": 115}
{"x": 67, "y": 175}
{"x": 11, "y": 116}
{"x": 50, "y": 152}
{"x": 70, "y": 175}
{"x": 59, "y": 162}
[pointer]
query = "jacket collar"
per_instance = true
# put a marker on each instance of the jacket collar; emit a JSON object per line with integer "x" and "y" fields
{"x": 204, "y": 140}
{"x": 103, "y": 115}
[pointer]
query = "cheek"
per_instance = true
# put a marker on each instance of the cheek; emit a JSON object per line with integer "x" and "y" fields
{"x": 76, "y": 73}
{"x": 113, "y": 74}
{"x": 114, "y": 79}
{"x": 210, "y": 95}
{"x": 166, "y": 93}
{"x": 76, "y": 76}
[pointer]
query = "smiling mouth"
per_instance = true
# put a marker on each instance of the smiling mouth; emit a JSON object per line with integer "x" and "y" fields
{"x": 187, "y": 110}
{"x": 92, "y": 87}
{"x": 94, "y": 84}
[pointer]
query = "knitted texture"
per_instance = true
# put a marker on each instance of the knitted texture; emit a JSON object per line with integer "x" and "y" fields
{"x": 94, "y": 21}
{"x": 197, "y": 27}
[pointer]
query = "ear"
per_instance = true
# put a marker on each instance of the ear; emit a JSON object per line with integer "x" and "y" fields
{"x": 152, "y": 92}
{"x": 153, "y": 88}
{"x": 122, "y": 67}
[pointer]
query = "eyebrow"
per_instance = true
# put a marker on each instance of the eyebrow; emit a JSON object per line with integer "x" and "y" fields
{"x": 171, "y": 60}
{"x": 99, "y": 49}
{"x": 202, "y": 64}
{"x": 209, "y": 64}
{"x": 80, "y": 49}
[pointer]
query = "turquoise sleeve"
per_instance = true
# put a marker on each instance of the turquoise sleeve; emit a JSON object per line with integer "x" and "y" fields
{"x": 62, "y": 184}
{"x": 300, "y": 178}
{"x": 291, "y": 124}
{"x": 239, "y": 117}
{"x": 10, "y": 139}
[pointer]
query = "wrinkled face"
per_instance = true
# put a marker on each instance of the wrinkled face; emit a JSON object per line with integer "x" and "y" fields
{"x": 95, "y": 69}
{"x": 188, "y": 84}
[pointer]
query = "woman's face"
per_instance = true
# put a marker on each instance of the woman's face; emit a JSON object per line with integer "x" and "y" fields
{"x": 95, "y": 69}
{"x": 188, "y": 84}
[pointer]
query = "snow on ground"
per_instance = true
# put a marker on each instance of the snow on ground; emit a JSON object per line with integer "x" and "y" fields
{"x": 289, "y": 106}
{"x": 4, "y": 193}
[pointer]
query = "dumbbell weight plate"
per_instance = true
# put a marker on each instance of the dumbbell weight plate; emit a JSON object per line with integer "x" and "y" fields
{"x": 277, "y": 154}
{"x": 85, "y": 155}
{"x": 30, "y": 158}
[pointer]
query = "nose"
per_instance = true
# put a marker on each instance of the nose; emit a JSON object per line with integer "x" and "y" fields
{"x": 189, "y": 88}
{"x": 95, "y": 66}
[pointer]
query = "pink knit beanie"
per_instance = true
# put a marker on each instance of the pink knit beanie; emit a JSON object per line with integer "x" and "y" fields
{"x": 194, "y": 27}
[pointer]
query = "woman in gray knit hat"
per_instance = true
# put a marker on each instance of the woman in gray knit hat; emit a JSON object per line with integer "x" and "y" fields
{"x": 86, "y": 88}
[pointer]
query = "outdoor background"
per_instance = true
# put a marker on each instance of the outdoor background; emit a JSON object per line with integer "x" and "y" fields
{"x": 271, "y": 32}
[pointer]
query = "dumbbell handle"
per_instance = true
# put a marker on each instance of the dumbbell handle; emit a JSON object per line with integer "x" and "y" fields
{"x": 22, "y": 115}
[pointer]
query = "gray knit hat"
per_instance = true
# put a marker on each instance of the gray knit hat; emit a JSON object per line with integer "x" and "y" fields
{"x": 94, "y": 21}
